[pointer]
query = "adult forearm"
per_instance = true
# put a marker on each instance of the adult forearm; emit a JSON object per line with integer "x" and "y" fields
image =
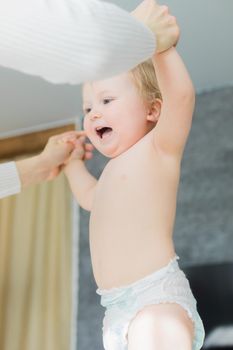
{"x": 45, "y": 166}
{"x": 9, "y": 180}
{"x": 65, "y": 41}
{"x": 32, "y": 170}
{"x": 17, "y": 175}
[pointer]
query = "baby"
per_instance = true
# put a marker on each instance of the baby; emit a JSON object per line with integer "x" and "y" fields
{"x": 141, "y": 121}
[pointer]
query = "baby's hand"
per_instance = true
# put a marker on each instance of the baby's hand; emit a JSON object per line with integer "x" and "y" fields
{"x": 160, "y": 22}
{"x": 82, "y": 151}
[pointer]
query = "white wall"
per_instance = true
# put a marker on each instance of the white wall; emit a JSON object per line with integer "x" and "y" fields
{"x": 206, "y": 42}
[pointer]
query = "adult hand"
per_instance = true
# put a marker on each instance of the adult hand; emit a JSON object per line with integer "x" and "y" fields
{"x": 57, "y": 152}
{"x": 160, "y": 22}
{"x": 82, "y": 150}
{"x": 49, "y": 163}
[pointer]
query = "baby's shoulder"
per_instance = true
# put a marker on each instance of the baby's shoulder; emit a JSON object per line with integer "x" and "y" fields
{"x": 154, "y": 160}
{"x": 141, "y": 152}
{"x": 142, "y": 148}
{"x": 144, "y": 156}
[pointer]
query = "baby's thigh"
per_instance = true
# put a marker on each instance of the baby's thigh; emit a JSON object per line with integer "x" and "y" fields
{"x": 163, "y": 327}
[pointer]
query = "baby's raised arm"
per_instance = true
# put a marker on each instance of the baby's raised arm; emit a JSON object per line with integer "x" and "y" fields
{"x": 172, "y": 129}
{"x": 81, "y": 182}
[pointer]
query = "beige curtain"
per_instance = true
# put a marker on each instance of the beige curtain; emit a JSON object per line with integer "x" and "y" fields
{"x": 35, "y": 268}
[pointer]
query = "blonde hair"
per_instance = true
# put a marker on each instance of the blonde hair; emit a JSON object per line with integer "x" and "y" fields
{"x": 145, "y": 79}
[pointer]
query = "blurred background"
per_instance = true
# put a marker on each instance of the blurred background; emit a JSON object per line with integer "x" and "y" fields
{"x": 204, "y": 224}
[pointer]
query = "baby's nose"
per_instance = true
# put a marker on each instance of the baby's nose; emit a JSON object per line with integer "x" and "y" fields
{"x": 95, "y": 116}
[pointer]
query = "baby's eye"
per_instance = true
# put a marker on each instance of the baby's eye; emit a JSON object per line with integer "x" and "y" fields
{"x": 87, "y": 110}
{"x": 107, "y": 100}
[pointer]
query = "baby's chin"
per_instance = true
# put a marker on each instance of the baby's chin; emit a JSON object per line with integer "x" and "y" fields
{"x": 109, "y": 154}
{"x": 115, "y": 149}
{"x": 113, "y": 153}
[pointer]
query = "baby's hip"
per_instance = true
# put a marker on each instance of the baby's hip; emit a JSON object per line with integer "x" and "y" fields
{"x": 167, "y": 285}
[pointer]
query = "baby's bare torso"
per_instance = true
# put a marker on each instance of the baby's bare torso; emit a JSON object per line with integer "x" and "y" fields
{"x": 133, "y": 213}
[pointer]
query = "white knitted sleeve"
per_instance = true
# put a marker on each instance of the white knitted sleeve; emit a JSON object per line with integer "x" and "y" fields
{"x": 9, "y": 180}
{"x": 71, "y": 41}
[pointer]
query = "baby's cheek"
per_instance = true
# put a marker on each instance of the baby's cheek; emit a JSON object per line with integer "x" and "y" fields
{"x": 85, "y": 125}
{"x": 88, "y": 131}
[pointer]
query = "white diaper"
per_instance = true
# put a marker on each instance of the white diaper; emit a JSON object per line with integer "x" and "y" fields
{"x": 166, "y": 285}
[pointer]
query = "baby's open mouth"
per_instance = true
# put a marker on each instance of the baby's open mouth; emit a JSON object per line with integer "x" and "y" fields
{"x": 103, "y": 131}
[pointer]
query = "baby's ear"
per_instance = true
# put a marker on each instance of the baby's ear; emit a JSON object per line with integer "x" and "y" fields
{"x": 154, "y": 110}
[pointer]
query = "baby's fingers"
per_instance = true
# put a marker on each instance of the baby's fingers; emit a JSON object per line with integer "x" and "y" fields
{"x": 89, "y": 147}
{"x": 88, "y": 151}
{"x": 78, "y": 153}
{"x": 88, "y": 155}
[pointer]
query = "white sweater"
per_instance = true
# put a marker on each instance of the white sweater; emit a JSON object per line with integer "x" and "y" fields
{"x": 67, "y": 41}
{"x": 71, "y": 41}
{"x": 9, "y": 180}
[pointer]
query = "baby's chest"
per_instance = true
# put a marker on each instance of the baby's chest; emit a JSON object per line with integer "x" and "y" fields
{"x": 136, "y": 174}
{"x": 125, "y": 182}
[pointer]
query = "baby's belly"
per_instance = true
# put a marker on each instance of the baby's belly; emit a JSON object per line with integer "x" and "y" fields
{"x": 122, "y": 254}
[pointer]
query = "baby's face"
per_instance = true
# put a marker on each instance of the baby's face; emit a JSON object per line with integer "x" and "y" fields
{"x": 115, "y": 114}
